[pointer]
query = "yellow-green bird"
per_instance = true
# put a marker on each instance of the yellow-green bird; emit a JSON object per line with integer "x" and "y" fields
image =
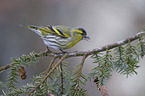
{"x": 59, "y": 37}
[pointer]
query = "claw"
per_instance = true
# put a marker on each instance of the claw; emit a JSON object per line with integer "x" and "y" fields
{"x": 48, "y": 50}
{"x": 63, "y": 51}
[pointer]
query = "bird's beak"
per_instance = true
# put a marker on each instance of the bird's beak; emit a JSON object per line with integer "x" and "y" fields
{"x": 86, "y": 37}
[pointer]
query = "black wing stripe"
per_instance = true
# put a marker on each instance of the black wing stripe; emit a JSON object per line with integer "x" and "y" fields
{"x": 50, "y": 27}
{"x": 61, "y": 32}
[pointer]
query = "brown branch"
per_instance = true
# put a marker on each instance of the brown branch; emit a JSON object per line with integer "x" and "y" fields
{"x": 80, "y": 72}
{"x": 5, "y": 67}
{"x": 109, "y": 46}
{"x": 61, "y": 75}
{"x": 64, "y": 56}
{"x": 104, "y": 91}
{"x": 90, "y": 52}
{"x": 52, "y": 61}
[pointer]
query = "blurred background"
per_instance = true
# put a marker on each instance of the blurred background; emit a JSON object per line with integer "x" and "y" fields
{"x": 106, "y": 22}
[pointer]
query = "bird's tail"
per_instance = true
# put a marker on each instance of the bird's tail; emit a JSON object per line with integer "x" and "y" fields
{"x": 32, "y": 27}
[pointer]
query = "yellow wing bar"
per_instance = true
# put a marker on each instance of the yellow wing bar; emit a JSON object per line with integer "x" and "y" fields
{"x": 49, "y": 30}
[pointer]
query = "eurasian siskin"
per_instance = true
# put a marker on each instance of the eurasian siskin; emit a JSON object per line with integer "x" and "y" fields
{"x": 59, "y": 37}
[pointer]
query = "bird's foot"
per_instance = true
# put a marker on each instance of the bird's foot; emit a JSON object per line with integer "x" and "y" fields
{"x": 63, "y": 51}
{"x": 48, "y": 51}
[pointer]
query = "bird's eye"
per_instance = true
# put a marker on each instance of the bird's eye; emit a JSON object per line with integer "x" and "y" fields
{"x": 83, "y": 31}
{"x": 82, "y": 34}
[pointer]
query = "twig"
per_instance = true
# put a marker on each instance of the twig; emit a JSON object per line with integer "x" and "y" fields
{"x": 104, "y": 91}
{"x": 5, "y": 67}
{"x": 65, "y": 55}
{"x": 94, "y": 51}
{"x": 61, "y": 74}
{"x": 90, "y": 52}
{"x": 52, "y": 61}
{"x": 80, "y": 72}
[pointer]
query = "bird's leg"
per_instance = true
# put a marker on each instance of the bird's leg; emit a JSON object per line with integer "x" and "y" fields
{"x": 48, "y": 50}
{"x": 62, "y": 51}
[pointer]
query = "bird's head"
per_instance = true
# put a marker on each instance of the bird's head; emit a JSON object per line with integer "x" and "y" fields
{"x": 83, "y": 33}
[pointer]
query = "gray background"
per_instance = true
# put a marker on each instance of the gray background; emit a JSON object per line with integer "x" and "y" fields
{"x": 106, "y": 22}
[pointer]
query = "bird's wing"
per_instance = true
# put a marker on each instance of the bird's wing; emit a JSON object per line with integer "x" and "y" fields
{"x": 45, "y": 30}
{"x": 66, "y": 31}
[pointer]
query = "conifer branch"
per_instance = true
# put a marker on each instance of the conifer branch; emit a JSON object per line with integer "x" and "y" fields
{"x": 109, "y": 46}
{"x": 90, "y": 52}
{"x": 64, "y": 56}
{"x": 128, "y": 51}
